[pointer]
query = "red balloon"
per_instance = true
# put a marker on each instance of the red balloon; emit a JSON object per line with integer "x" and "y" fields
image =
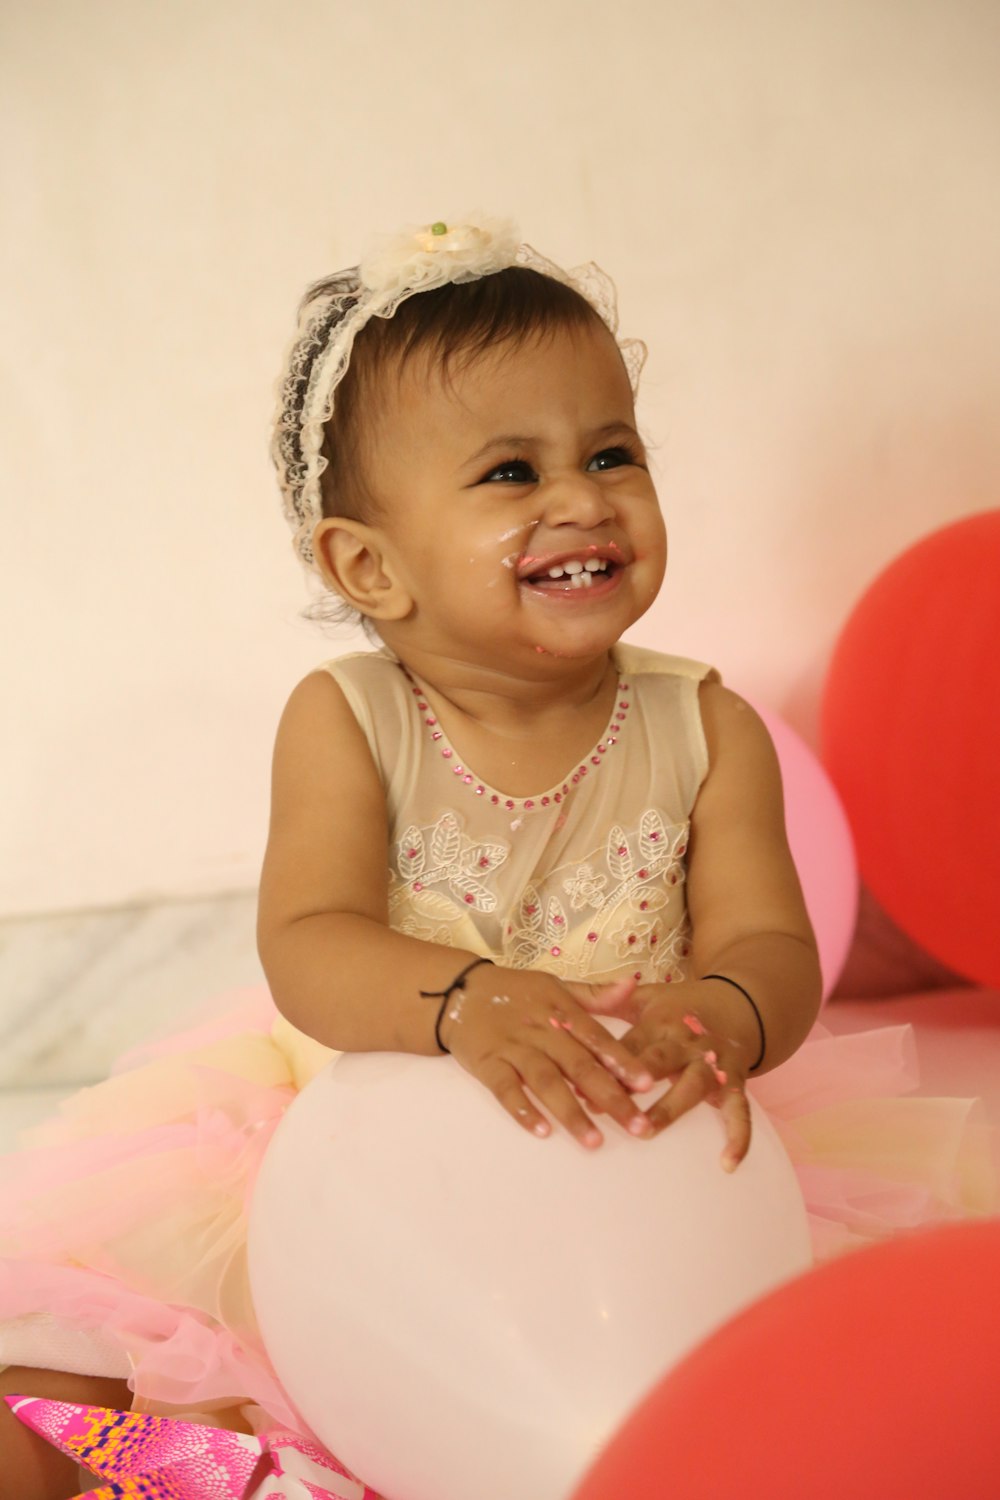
{"x": 911, "y": 738}
{"x": 871, "y": 1377}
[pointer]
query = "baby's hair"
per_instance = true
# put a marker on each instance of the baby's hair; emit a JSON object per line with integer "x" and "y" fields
{"x": 451, "y": 325}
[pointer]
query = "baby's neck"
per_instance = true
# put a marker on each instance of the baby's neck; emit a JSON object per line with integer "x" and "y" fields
{"x": 511, "y": 704}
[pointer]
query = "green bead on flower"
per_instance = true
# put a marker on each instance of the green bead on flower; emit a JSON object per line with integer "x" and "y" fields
{"x": 439, "y": 228}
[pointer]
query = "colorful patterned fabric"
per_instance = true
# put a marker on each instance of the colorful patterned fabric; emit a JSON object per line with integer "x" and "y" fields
{"x": 161, "y": 1458}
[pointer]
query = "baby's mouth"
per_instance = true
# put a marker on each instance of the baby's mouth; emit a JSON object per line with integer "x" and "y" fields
{"x": 572, "y": 574}
{"x": 595, "y": 564}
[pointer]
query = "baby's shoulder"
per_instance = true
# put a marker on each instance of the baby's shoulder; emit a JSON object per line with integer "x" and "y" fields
{"x": 362, "y": 668}
{"x": 640, "y": 662}
{"x": 373, "y": 682}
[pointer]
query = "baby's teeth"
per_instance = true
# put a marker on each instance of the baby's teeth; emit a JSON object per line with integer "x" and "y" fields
{"x": 581, "y": 580}
{"x": 576, "y": 570}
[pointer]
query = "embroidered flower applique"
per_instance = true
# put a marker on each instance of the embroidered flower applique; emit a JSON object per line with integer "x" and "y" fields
{"x": 444, "y": 856}
{"x": 660, "y": 955}
{"x": 669, "y": 961}
{"x": 584, "y": 887}
{"x": 634, "y": 938}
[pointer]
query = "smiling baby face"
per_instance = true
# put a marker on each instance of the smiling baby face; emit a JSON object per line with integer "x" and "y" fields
{"x": 515, "y": 512}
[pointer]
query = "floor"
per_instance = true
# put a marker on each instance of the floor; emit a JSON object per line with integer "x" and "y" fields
{"x": 77, "y": 989}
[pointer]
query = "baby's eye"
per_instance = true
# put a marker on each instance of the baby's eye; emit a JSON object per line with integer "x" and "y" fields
{"x": 511, "y": 471}
{"x": 612, "y": 458}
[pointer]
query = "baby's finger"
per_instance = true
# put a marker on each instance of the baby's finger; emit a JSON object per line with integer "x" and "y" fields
{"x": 594, "y": 1084}
{"x": 695, "y": 1084}
{"x": 504, "y": 1084}
{"x": 662, "y": 1055}
{"x": 614, "y": 1055}
{"x": 549, "y": 1086}
{"x": 735, "y": 1109}
{"x": 615, "y": 999}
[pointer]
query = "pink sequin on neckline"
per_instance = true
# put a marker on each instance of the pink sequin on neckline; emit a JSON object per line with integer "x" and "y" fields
{"x": 555, "y": 795}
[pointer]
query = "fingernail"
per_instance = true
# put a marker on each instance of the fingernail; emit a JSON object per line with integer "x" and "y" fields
{"x": 592, "y": 1138}
{"x": 541, "y": 1128}
{"x": 639, "y": 1125}
{"x": 712, "y": 1058}
{"x": 730, "y": 1163}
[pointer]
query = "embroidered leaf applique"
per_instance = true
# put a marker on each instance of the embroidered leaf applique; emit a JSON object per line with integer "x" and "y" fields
{"x": 555, "y": 920}
{"x": 653, "y": 837}
{"x": 648, "y": 898}
{"x": 484, "y": 856}
{"x": 619, "y": 854}
{"x": 446, "y": 840}
{"x": 531, "y": 908}
{"x": 433, "y": 905}
{"x": 473, "y": 893}
{"x": 525, "y": 943}
{"x": 412, "y": 854}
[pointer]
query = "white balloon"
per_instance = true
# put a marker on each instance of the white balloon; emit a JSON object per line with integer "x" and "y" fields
{"x": 462, "y": 1311}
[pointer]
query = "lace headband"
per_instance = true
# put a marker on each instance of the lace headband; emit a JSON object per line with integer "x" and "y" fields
{"x": 397, "y": 267}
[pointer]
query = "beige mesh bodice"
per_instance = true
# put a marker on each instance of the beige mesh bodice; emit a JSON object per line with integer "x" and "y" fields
{"x": 586, "y": 878}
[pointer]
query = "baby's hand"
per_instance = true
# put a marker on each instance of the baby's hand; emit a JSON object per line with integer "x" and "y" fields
{"x": 672, "y": 1036}
{"x": 518, "y": 1030}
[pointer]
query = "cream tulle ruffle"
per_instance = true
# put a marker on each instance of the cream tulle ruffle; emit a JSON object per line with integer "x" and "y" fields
{"x": 871, "y": 1163}
{"x": 125, "y": 1214}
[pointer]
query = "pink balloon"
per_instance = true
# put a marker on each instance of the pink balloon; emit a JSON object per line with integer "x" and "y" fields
{"x": 820, "y": 839}
{"x": 463, "y": 1312}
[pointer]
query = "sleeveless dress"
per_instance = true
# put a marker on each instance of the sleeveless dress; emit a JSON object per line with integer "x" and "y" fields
{"x": 123, "y": 1217}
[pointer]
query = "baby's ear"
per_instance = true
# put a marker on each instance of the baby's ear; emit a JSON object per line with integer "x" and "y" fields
{"x": 354, "y": 561}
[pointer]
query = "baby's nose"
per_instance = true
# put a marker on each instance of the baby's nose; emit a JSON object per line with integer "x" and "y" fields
{"x": 576, "y": 500}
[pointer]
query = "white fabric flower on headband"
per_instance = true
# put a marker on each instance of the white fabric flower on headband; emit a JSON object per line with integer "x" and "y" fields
{"x": 432, "y": 254}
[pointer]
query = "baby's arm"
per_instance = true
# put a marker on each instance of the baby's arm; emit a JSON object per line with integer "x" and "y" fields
{"x": 748, "y": 916}
{"x": 338, "y": 972}
{"x": 749, "y": 924}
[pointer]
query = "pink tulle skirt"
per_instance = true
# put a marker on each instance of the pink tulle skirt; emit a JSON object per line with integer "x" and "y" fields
{"x": 123, "y": 1218}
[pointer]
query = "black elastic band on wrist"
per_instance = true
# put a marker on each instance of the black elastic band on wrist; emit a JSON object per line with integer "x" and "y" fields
{"x": 458, "y": 983}
{"x": 763, "y": 1036}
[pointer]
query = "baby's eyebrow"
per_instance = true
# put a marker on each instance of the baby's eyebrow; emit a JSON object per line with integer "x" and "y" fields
{"x": 505, "y": 440}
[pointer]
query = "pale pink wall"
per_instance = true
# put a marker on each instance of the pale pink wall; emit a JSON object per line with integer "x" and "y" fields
{"x": 798, "y": 202}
